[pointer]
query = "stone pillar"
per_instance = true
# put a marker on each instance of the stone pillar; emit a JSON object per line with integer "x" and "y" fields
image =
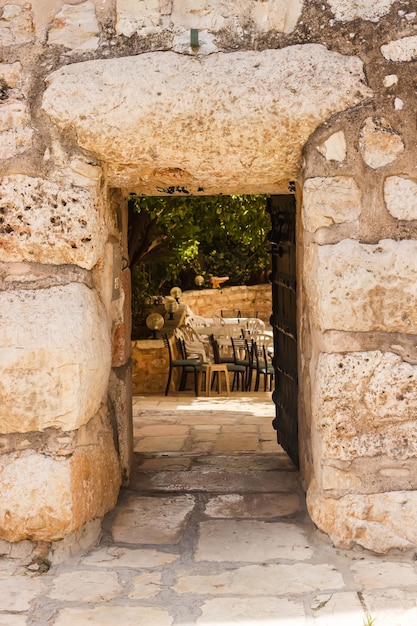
{"x": 59, "y": 467}
{"x": 359, "y": 326}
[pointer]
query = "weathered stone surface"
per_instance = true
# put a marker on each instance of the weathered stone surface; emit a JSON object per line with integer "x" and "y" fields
{"x": 390, "y": 606}
{"x": 363, "y": 287}
{"x": 16, "y": 26}
{"x": 75, "y": 27}
{"x": 11, "y": 74}
{"x": 331, "y": 200}
{"x": 84, "y": 586}
{"x": 346, "y": 10}
{"x": 343, "y": 608}
{"x": 378, "y": 522}
{"x": 46, "y": 497}
{"x": 379, "y": 144}
{"x": 146, "y": 585}
{"x": 120, "y": 405}
{"x": 334, "y": 148}
{"x": 250, "y": 610}
{"x": 122, "y": 328}
{"x": 284, "y": 93}
{"x": 261, "y": 580}
{"x": 400, "y": 194}
{"x": 143, "y": 17}
{"x": 18, "y": 592}
{"x": 374, "y": 573}
{"x": 55, "y": 358}
{"x": 15, "y": 131}
{"x": 114, "y": 614}
{"x": 281, "y": 16}
{"x": 401, "y": 50}
{"x": 211, "y": 15}
{"x": 144, "y": 520}
{"x": 46, "y": 222}
{"x": 253, "y": 505}
{"x": 364, "y": 404}
{"x": 135, "y": 558}
{"x": 223, "y": 540}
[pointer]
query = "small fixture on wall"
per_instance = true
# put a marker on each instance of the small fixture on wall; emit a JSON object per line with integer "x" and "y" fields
{"x": 176, "y": 293}
{"x": 155, "y": 322}
{"x": 171, "y": 307}
{"x": 199, "y": 281}
{"x": 194, "y": 43}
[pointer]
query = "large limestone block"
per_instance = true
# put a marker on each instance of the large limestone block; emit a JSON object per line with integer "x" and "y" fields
{"x": 226, "y": 122}
{"x": 46, "y": 222}
{"x": 348, "y": 10}
{"x": 55, "y": 358}
{"x": 378, "y": 522}
{"x": 379, "y": 144}
{"x": 363, "y": 287}
{"x": 400, "y": 194}
{"x": 45, "y": 498}
{"x": 75, "y": 27}
{"x": 330, "y": 200}
{"x": 401, "y": 50}
{"x": 364, "y": 405}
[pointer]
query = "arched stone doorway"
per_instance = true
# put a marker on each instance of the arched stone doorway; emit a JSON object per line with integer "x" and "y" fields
{"x": 162, "y": 123}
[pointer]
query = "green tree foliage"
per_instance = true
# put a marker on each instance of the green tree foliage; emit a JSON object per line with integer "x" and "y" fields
{"x": 172, "y": 239}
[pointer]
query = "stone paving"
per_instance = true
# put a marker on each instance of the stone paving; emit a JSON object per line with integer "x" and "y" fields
{"x": 212, "y": 531}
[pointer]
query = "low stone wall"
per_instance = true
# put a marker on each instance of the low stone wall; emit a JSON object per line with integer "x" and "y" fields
{"x": 150, "y": 360}
{"x": 208, "y": 302}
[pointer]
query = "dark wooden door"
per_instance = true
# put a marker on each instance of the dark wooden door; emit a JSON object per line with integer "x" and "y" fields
{"x": 284, "y": 321}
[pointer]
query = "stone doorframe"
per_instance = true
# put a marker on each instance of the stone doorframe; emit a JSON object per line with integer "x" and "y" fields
{"x": 163, "y": 123}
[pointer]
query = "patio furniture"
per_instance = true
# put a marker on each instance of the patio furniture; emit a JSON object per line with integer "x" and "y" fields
{"x": 237, "y": 370}
{"x": 186, "y": 366}
{"x": 263, "y": 366}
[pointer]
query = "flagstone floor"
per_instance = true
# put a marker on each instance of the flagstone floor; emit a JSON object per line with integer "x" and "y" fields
{"x": 212, "y": 531}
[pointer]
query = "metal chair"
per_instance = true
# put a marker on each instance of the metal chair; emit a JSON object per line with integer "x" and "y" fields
{"x": 243, "y": 356}
{"x": 263, "y": 366}
{"x": 187, "y": 366}
{"x": 237, "y": 370}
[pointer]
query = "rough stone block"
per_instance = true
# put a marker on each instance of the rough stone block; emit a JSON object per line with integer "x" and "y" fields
{"x": 334, "y": 148}
{"x": 346, "y": 10}
{"x": 142, "y": 16}
{"x": 55, "y": 360}
{"x": 379, "y": 144}
{"x": 363, "y": 287}
{"x": 400, "y": 194}
{"x": 285, "y": 94}
{"x": 401, "y": 50}
{"x": 75, "y": 27}
{"x": 331, "y": 200}
{"x": 15, "y": 131}
{"x": 279, "y": 16}
{"x": 378, "y": 522}
{"x": 16, "y": 25}
{"x": 47, "y": 222}
{"x": 45, "y": 498}
{"x": 364, "y": 405}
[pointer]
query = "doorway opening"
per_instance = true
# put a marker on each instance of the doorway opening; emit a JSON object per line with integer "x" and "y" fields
{"x": 279, "y": 246}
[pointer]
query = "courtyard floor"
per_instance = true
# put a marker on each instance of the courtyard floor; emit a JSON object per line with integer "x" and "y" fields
{"x": 212, "y": 531}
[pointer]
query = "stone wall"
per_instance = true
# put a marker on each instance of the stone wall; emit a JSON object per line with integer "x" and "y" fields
{"x": 244, "y": 298}
{"x": 100, "y": 99}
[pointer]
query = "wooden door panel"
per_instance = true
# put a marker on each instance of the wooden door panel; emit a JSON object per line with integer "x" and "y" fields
{"x": 284, "y": 321}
